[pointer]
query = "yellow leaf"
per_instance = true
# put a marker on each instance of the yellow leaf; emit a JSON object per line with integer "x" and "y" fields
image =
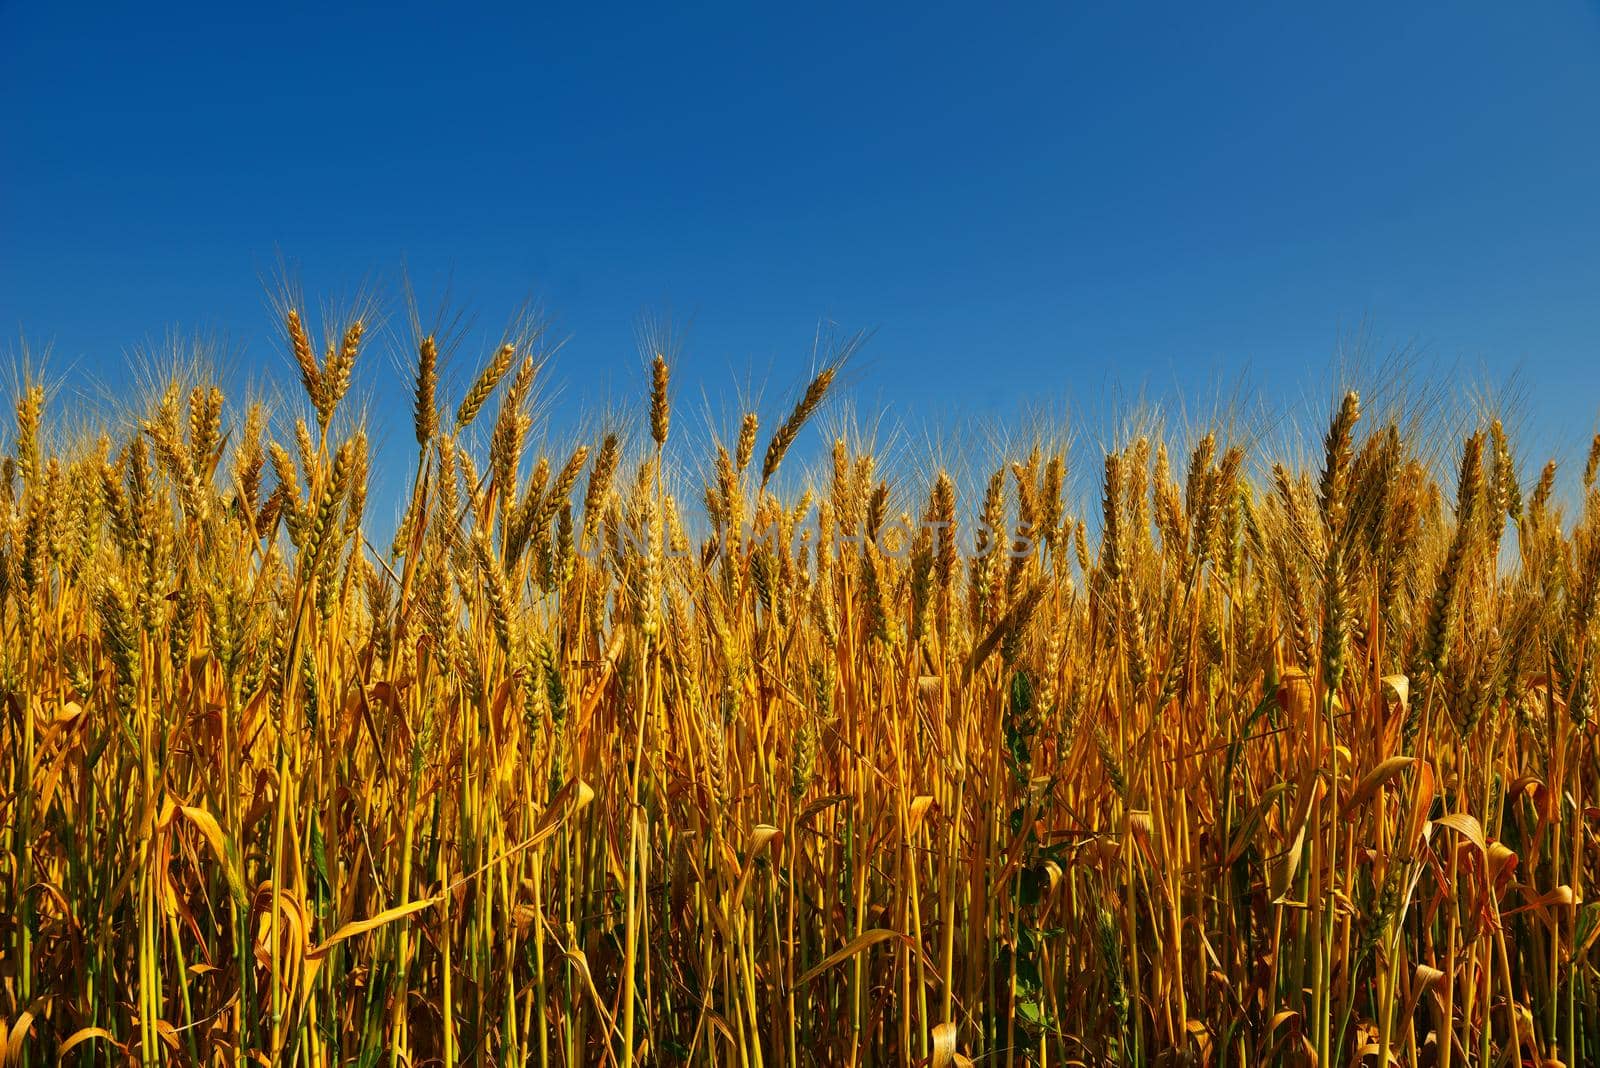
{"x": 818, "y": 806}
{"x": 569, "y": 801}
{"x": 1425, "y": 789}
{"x": 1286, "y": 1016}
{"x": 862, "y": 941}
{"x": 207, "y": 825}
{"x": 356, "y": 927}
{"x": 944, "y": 1047}
{"x": 581, "y": 961}
{"x": 1401, "y": 687}
{"x": 1375, "y": 779}
{"x": 917, "y": 813}
{"x": 19, "y": 1031}
{"x": 1252, "y": 822}
{"x": 761, "y": 836}
{"x": 82, "y": 1035}
{"x": 1466, "y": 826}
{"x": 1282, "y": 876}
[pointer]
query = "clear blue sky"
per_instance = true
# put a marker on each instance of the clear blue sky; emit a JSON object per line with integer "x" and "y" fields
{"x": 1023, "y": 201}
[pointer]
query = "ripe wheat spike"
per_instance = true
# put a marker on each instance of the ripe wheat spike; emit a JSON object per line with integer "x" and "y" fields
{"x": 1249, "y": 761}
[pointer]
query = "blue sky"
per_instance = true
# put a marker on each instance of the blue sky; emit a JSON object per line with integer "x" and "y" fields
{"x": 1024, "y": 202}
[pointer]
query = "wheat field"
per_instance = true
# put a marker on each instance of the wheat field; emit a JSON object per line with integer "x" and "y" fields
{"x": 625, "y": 754}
